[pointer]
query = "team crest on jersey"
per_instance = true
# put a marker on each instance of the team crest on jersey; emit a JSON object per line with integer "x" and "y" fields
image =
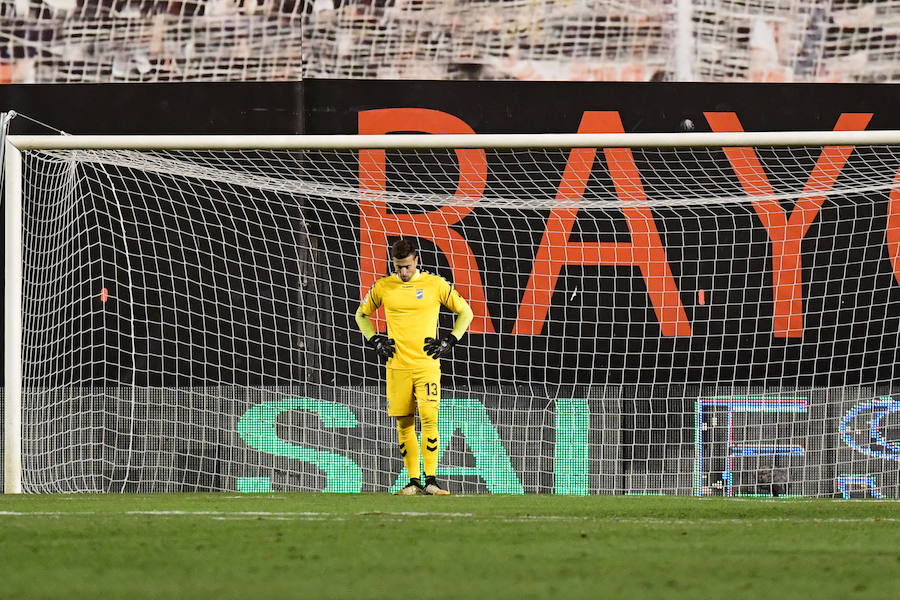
{"x": 420, "y": 294}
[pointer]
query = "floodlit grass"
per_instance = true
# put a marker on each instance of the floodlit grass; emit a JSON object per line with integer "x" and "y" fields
{"x": 375, "y": 546}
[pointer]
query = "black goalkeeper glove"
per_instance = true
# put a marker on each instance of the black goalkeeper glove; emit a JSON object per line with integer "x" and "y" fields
{"x": 440, "y": 348}
{"x": 382, "y": 344}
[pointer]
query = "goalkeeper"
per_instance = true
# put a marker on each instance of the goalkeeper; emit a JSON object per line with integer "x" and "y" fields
{"x": 412, "y": 300}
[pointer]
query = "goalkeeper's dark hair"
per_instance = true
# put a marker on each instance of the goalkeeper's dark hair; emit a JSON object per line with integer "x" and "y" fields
{"x": 402, "y": 248}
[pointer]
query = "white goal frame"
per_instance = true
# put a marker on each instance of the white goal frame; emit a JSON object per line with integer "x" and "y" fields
{"x": 15, "y": 144}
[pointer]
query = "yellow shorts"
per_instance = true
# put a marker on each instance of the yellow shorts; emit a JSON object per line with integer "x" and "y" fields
{"x": 407, "y": 387}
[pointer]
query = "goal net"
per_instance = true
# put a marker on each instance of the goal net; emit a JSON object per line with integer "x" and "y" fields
{"x": 695, "y": 314}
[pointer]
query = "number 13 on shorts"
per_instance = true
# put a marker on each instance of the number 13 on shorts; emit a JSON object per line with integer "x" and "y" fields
{"x": 428, "y": 389}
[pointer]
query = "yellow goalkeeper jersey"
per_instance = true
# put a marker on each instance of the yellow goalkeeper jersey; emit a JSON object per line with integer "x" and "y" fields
{"x": 411, "y": 310}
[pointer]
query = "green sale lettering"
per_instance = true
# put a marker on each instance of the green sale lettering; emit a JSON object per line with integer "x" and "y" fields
{"x": 466, "y": 417}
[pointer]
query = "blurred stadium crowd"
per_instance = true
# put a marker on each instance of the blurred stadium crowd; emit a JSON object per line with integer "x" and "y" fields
{"x": 52, "y": 41}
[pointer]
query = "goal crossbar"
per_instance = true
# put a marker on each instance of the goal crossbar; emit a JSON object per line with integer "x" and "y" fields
{"x": 453, "y": 141}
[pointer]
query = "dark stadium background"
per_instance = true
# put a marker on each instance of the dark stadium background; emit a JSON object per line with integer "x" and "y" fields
{"x": 332, "y": 106}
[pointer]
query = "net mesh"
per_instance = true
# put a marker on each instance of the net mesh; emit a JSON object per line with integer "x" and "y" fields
{"x": 680, "y": 321}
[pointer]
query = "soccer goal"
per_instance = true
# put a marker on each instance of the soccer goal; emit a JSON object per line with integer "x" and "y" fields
{"x": 695, "y": 314}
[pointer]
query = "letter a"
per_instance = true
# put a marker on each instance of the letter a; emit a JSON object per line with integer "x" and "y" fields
{"x": 645, "y": 250}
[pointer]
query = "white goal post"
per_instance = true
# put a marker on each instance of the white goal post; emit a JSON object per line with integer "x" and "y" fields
{"x": 691, "y": 313}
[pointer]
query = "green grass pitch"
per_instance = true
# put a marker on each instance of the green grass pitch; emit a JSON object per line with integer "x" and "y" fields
{"x": 378, "y": 546}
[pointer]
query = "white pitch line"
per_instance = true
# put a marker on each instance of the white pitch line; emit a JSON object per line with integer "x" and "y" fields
{"x": 45, "y": 513}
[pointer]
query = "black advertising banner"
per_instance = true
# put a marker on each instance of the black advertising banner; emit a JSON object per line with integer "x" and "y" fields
{"x": 711, "y": 298}
{"x": 733, "y": 302}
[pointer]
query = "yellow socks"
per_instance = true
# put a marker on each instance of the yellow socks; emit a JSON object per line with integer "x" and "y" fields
{"x": 409, "y": 445}
{"x": 428, "y": 415}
